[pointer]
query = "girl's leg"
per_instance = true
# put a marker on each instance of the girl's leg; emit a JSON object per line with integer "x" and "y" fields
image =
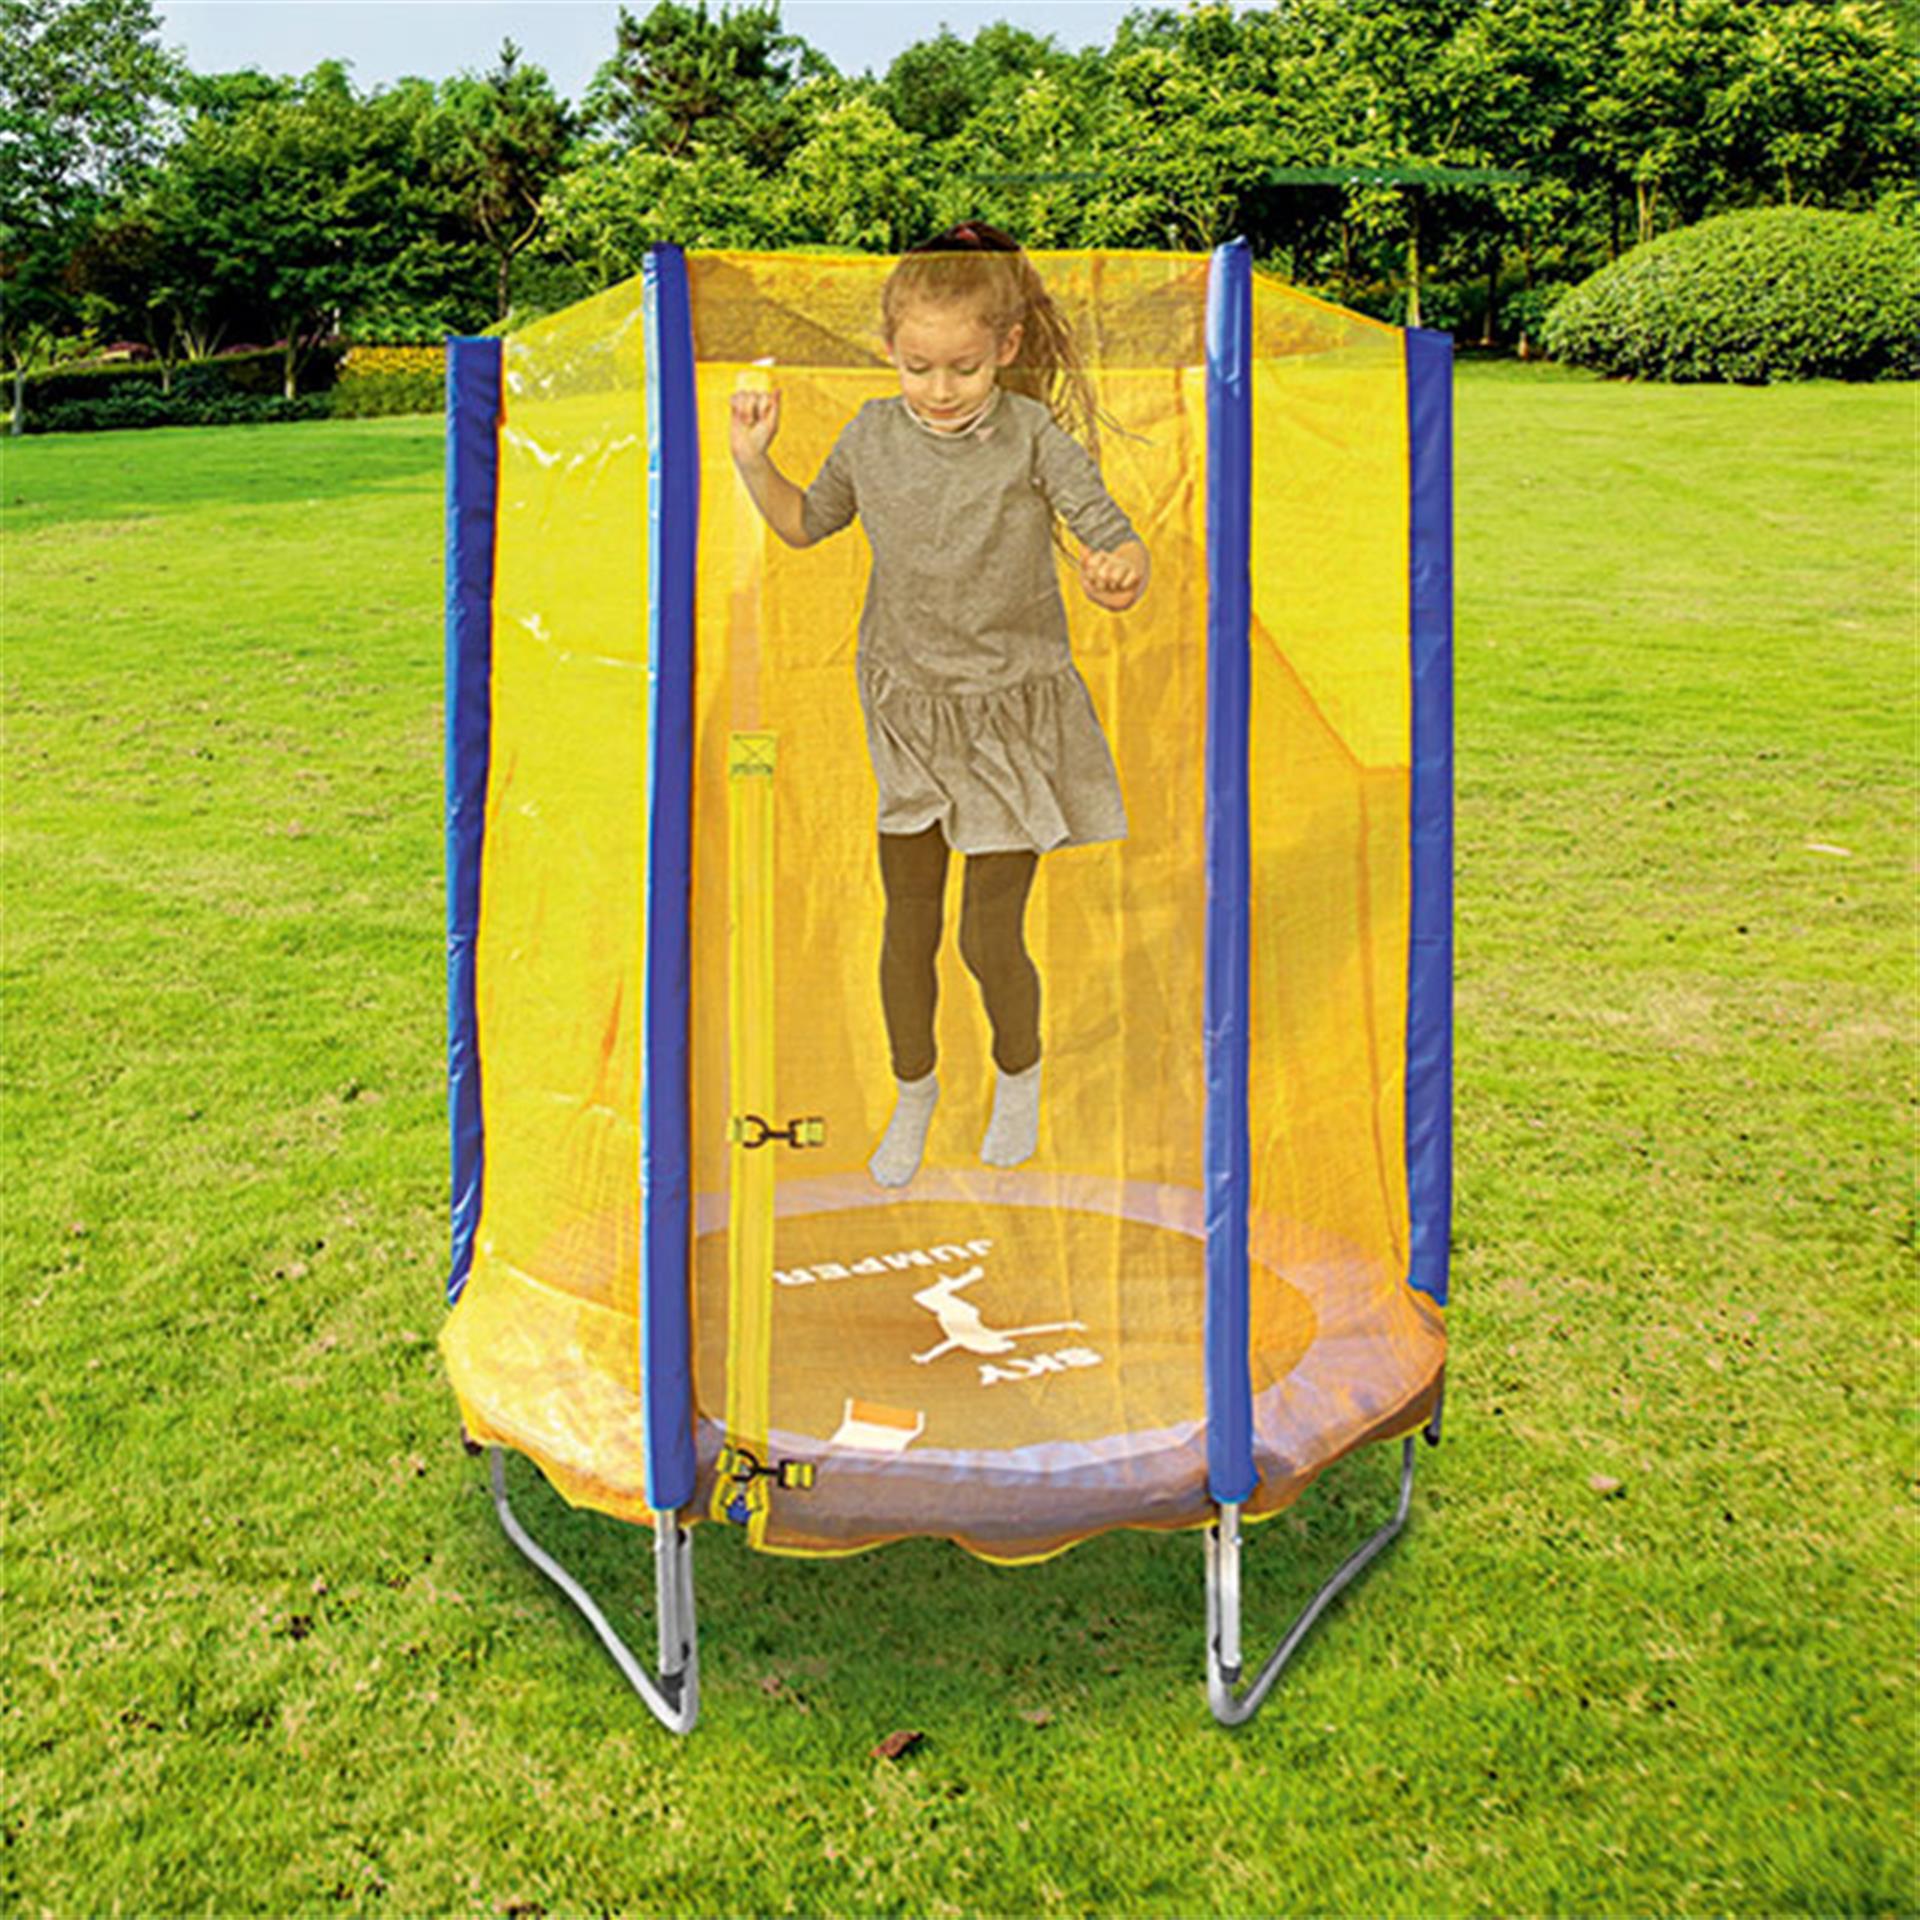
{"x": 913, "y": 872}
{"x": 993, "y": 943}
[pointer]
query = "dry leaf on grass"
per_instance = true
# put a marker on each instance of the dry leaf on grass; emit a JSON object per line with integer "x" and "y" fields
{"x": 897, "y": 1744}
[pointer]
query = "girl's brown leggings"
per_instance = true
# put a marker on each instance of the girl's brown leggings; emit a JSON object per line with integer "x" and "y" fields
{"x": 993, "y": 911}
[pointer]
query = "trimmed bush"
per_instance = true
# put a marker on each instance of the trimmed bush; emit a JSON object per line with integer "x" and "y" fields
{"x": 1786, "y": 293}
{"x": 385, "y": 380}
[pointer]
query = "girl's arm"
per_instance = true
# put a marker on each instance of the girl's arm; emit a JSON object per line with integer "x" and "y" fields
{"x": 1113, "y": 572}
{"x": 756, "y": 418}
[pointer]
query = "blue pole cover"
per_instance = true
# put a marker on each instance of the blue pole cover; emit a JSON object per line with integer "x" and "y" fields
{"x": 473, "y": 469}
{"x": 666, "y": 1142}
{"x": 1230, "y": 1468}
{"x": 1430, "y": 954}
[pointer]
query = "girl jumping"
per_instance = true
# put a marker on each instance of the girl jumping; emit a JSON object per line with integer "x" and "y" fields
{"x": 983, "y": 736}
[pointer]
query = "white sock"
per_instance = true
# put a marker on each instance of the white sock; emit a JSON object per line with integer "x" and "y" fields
{"x": 1014, "y": 1131}
{"x": 897, "y": 1158}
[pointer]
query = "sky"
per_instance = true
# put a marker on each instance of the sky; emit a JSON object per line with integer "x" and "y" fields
{"x": 386, "y": 40}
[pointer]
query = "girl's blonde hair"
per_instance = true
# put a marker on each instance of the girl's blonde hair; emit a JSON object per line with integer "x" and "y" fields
{"x": 978, "y": 266}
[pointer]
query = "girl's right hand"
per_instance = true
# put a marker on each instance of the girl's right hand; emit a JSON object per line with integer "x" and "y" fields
{"x": 756, "y": 419}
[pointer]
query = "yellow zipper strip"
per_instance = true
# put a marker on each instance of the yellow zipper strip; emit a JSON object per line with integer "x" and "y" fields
{"x": 750, "y": 765}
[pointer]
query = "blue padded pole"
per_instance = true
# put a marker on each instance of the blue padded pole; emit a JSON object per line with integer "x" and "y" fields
{"x": 666, "y": 1145}
{"x": 1430, "y": 954}
{"x": 473, "y": 472}
{"x": 1230, "y": 1467}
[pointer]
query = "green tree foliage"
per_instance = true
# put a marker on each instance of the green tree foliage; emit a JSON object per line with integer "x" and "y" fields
{"x": 83, "y": 89}
{"x": 1453, "y": 159}
{"x": 936, "y": 86}
{"x": 687, "y": 129}
{"x": 858, "y": 179}
{"x": 1032, "y": 157}
{"x": 127, "y": 284}
{"x": 231, "y": 96}
{"x": 84, "y": 93}
{"x": 1519, "y": 74}
{"x": 1710, "y": 103}
{"x": 681, "y": 78}
{"x": 609, "y": 209}
{"x": 499, "y": 144}
{"x": 315, "y": 211}
{"x": 1821, "y": 105}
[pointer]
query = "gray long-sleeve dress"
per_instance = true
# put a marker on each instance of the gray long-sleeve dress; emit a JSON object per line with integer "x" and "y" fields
{"x": 976, "y": 716}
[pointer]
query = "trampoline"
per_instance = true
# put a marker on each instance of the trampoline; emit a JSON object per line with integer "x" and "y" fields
{"x": 676, "y": 1286}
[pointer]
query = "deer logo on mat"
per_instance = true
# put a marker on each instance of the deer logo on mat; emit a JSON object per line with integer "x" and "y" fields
{"x": 960, "y": 1320}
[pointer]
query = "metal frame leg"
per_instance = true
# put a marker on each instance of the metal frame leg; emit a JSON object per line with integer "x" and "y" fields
{"x": 1231, "y": 1707}
{"x": 673, "y": 1699}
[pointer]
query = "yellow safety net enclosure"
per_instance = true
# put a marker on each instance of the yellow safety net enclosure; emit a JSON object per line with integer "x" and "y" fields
{"x": 949, "y": 837}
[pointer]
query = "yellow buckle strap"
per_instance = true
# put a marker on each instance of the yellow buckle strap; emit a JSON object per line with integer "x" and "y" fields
{"x": 741, "y": 1490}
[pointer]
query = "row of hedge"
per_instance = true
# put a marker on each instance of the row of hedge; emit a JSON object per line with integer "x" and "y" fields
{"x": 236, "y": 389}
{"x": 148, "y": 407}
{"x": 256, "y": 372}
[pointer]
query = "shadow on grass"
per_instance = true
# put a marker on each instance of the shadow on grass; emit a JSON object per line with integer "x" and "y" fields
{"x": 922, "y": 1635}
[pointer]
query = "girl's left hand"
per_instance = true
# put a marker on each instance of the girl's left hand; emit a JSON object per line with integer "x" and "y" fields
{"x": 1115, "y": 580}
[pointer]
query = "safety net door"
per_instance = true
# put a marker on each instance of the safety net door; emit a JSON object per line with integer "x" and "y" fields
{"x": 1009, "y": 1354}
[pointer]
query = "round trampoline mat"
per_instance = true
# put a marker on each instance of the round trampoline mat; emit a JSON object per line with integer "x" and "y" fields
{"x": 982, "y": 1326}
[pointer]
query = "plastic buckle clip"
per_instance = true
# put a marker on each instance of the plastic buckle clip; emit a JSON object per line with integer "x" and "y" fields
{"x": 749, "y": 1130}
{"x": 743, "y": 1466}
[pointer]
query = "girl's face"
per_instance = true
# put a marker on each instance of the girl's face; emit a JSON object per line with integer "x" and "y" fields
{"x": 946, "y": 358}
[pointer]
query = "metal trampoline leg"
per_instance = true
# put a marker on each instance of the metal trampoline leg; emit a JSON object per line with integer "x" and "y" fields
{"x": 673, "y": 1699}
{"x": 1231, "y": 1707}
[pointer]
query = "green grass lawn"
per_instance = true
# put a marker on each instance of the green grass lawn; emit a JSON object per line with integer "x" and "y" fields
{"x": 265, "y": 1647}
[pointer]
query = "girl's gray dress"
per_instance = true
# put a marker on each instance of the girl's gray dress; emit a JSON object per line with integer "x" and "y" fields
{"x": 976, "y": 716}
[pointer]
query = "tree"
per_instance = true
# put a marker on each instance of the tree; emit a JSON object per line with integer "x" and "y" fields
{"x": 426, "y": 271}
{"x": 1033, "y": 158}
{"x": 1821, "y": 108}
{"x": 501, "y": 143}
{"x": 680, "y": 78}
{"x": 1322, "y": 117}
{"x": 1513, "y": 75}
{"x": 1205, "y": 104}
{"x": 936, "y": 86}
{"x": 315, "y": 210}
{"x": 1534, "y": 65}
{"x": 85, "y": 90}
{"x": 125, "y": 284}
{"x": 1657, "y": 110}
{"x": 1369, "y": 145}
